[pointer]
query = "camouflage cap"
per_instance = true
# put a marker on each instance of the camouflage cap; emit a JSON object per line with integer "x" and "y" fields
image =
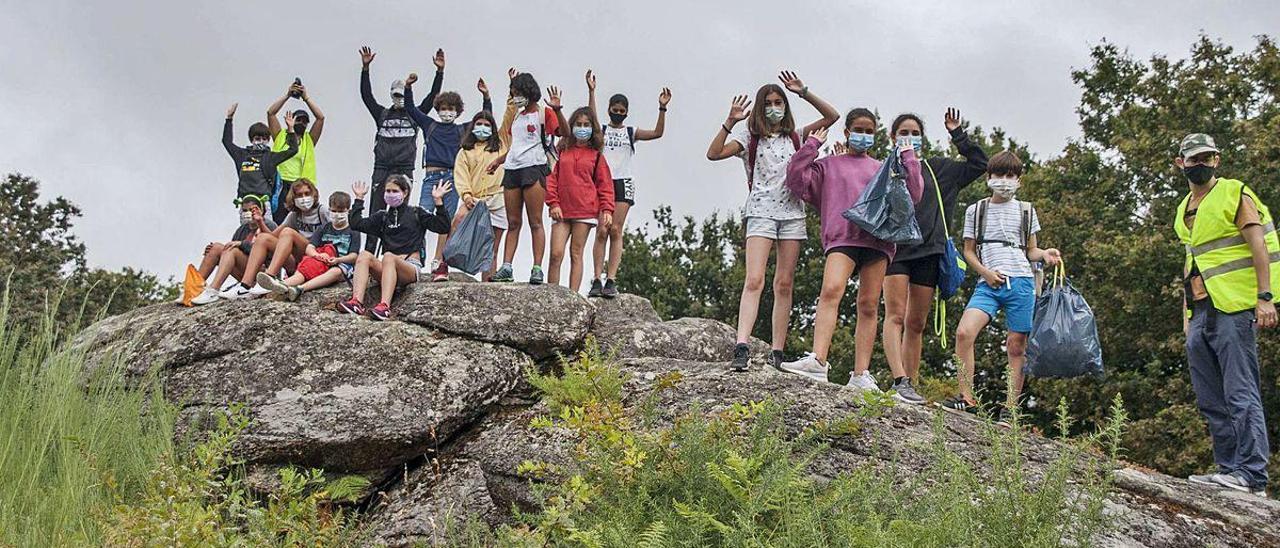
{"x": 1196, "y": 143}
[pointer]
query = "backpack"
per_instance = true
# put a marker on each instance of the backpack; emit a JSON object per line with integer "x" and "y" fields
{"x": 1024, "y": 234}
{"x": 548, "y": 145}
{"x": 753, "y": 146}
{"x": 631, "y": 134}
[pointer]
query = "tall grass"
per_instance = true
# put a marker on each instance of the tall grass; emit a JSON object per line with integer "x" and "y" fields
{"x": 70, "y": 440}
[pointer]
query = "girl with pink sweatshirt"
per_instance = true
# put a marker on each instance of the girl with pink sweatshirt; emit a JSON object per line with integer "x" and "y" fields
{"x": 832, "y": 185}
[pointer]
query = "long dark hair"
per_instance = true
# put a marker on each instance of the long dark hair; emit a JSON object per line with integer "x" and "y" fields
{"x": 493, "y": 144}
{"x": 597, "y": 139}
{"x": 758, "y": 124}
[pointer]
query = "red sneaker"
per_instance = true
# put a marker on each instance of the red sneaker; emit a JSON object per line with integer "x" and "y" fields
{"x": 351, "y": 306}
{"x": 441, "y": 273}
{"x": 382, "y": 312}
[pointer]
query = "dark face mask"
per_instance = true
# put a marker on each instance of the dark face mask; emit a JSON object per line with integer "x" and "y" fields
{"x": 299, "y": 128}
{"x": 1199, "y": 174}
{"x": 617, "y": 118}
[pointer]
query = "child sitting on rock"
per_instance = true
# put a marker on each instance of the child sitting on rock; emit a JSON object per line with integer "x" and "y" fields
{"x": 229, "y": 258}
{"x": 402, "y": 228}
{"x": 329, "y": 257}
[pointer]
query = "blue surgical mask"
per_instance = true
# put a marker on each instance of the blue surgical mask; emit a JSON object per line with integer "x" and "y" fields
{"x": 861, "y": 141}
{"x": 915, "y": 141}
{"x": 482, "y": 132}
{"x": 581, "y": 133}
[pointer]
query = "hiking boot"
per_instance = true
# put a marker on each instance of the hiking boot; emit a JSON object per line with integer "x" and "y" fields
{"x": 236, "y": 292}
{"x": 808, "y": 366}
{"x": 596, "y": 289}
{"x": 292, "y": 293}
{"x": 905, "y": 392}
{"x": 503, "y": 274}
{"x": 776, "y": 357}
{"x": 351, "y": 306}
{"x": 958, "y": 403}
{"x": 441, "y": 272}
{"x": 535, "y": 275}
{"x": 207, "y": 296}
{"x": 382, "y": 312}
{"x": 610, "y": 289}
{"x": 863, "y": 382}
{"x": 741, "y": 353}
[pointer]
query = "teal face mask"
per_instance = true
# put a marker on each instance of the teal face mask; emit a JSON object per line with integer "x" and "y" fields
{"x": 861, "y": 141}
{"x": 581, "y": 133}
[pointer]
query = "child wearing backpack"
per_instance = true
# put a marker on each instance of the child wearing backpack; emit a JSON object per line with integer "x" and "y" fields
{"x": 619, "y": 149}
{"x": 579, "y": 194}
{"x": 229, "y": 258}
{"x": 525, "y": 168}
{"x": 256, "y": 163}
{"x": 402, "y": 227}
{"x": 328, "y": 258}
{"x": 1000, "y": 244}
{"x": 773, "y": 216}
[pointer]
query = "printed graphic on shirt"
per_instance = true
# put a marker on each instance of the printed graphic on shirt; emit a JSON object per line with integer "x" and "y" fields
{"x": 618, "y": 150}
{"x": 396, "y": 127}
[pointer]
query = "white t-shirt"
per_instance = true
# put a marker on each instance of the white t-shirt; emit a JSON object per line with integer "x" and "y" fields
{"x": 769, "y": 197}
{"x": 307, "y": 224}
{"x": 1004, "y": 222}
{"x": 526, "y": 147}
{"x": 618, "y": 151}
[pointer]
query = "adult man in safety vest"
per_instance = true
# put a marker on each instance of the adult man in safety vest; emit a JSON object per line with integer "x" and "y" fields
{"x": 1230, "y": 270}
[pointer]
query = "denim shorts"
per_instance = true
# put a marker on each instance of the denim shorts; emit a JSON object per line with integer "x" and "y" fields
{"x": 450, "y": 198}
{"x": 1017, "y": 297}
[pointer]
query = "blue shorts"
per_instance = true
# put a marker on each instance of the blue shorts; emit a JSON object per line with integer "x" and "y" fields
{"x": 1017, "y": 298}
{"x": 450, "y": 199}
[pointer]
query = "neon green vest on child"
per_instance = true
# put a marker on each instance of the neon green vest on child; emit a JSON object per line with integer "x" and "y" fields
{"x": 302, "y": 165}
{"x": 1219, "y": 250}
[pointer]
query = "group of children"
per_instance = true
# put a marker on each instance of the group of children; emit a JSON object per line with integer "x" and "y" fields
{"x": 576, "y": 167}
{"x": 785, "y": 169}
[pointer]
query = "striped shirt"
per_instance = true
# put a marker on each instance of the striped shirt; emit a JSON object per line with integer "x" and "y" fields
{"x": 1004, "y": 222}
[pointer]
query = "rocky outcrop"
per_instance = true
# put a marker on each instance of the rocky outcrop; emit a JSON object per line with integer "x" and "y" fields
{"x": 427, "y": 402}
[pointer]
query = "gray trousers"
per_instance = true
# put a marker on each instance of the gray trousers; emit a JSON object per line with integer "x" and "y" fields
{"x": 1222, "y": 351}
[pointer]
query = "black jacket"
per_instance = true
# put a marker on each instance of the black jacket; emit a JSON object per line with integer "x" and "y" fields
{"x": 402, "y": 229}
{"x": 256, "y": 166}
{"x": 396, "y": 143}
{"x": 952, "y": 177}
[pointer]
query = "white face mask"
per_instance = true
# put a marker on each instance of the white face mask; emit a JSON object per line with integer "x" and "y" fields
{"x": 340, "y": 220}
{"x": 774, "y": 114}
{"x": 304, "y": 202}
{"x": 246, "y": 217}
{"x": 520, "y": 101}
{"x": 1004, "y": 187}
{"x": 447, "y": 116}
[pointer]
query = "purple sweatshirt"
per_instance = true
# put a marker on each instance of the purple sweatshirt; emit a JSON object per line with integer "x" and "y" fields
{"x": 834, "y": 183}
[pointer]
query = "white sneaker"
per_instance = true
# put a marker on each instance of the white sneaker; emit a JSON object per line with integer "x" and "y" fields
{"x": 863, "y": 382}
{"x": 808, "y": 366}
{"x": 258, "y": 291}
{"x": 205, "y": 297}
{"x": 236, "y": 292}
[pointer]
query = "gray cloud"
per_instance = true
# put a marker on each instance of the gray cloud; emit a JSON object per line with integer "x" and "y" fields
{"x": 118, "y": 106}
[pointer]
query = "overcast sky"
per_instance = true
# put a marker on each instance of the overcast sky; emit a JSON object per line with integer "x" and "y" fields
{"x": 118, "y": 106}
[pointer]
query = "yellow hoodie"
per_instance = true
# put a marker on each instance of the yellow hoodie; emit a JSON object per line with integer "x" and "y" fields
{"x": 469, "y": 170}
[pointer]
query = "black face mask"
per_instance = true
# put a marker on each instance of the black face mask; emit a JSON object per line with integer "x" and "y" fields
{"x": 617, "y": 118}
{"x": 299, "y": 129}
{"x": 1198, "y": 175}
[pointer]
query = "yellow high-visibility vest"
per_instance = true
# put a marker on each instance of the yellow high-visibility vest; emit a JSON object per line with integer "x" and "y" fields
{"x": 1218, "y": 248}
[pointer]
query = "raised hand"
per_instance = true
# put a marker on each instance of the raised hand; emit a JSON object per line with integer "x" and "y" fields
{"x": 482, "y": 87}
{"x": 839, "y": 149}
{"x": 791, "y": 82}
{"x": 231, "y": 111}
{"x": 303, "y": 90}
{"x": 412, "y": 79}
{"x": 591, "y": 81}
{"x": 441, "y": 189}
{"x": 664, "y": 97}
{"x": 288, "y": 120}
{"x": 511, "y": 73}
{"x": 553, "y": 97}
{"x": 366, "y": 56}
{"x": 739, "y": 109}
{"x": 439, "y": 59}
{"x": 952, "y": 119}
{"x": 359, "y": 189}
{"x": 820, "y": 134}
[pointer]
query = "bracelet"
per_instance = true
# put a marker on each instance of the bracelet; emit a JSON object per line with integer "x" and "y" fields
{"x": 804, "y": 91}
{"x": 726, "y": 128}
{"x": 557, "y": 109}
{"x": 662, "y": 109}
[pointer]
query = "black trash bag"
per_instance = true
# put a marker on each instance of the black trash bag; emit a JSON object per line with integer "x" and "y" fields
{"x": 884, "y": 210}
{"x": 1064, "y": 336}
{"x": 470, "y": 246}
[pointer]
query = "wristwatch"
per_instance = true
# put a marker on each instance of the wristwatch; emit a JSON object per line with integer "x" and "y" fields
{"x": 1266, "y": 296}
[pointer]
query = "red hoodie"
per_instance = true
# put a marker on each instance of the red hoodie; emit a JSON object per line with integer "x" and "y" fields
{"x": 572, "y": 185}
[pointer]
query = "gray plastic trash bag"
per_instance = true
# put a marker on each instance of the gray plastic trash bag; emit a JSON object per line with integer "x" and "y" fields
{"x": 884, "y": 210}
{"x": 1064, "y": 336}
{"x": 470, "y": 246}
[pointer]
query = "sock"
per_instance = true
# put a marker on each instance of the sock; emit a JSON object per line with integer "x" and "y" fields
{"x": 898, "y": 380}
{"x": 245, "y": 285}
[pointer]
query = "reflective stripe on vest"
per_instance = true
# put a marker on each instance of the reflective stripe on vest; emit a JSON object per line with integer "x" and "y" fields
{"x": 1216, "y": 247}
{"x": 1238, "y": 264}
{"x": 1229, "y": 241}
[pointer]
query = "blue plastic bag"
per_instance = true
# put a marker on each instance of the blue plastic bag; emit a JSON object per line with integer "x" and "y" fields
{"x": 470, "y": 246}
{"x": 1064, "y": 336}
{"x": 884, "y": 210}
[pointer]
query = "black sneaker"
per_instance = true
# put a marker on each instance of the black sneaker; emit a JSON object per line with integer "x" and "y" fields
{"x": 595, "y": 288}
{"x": 610, "y": 289}
{"x": 958, "y": 403}
{"x": 741, "y": 353}
{"x": 776, "y": 358}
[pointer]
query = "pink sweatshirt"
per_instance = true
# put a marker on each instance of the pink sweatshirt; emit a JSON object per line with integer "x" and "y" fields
{"x": 834, "y": 183}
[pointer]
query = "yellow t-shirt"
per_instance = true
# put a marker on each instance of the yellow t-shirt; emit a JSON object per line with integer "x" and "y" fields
{"x": 302, "y": 165}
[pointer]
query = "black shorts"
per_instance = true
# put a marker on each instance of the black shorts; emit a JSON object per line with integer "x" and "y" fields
{"x": 624, "y": 191}
{"x": 922, "y": 271}
{"x": 525, "y": 177}
{"x": 861, "y": 256}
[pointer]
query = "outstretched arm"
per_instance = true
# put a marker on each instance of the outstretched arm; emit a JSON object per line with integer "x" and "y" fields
{"x": 317, "y": 127}
{"x": 975, "y": 164}
{"x": 591, "y": 94}
{"x": 486, "y": 102}
{"x": 430, "y": 100}
{"x": 366, "y": 88}
{"x": 829, "y": 113}
{"x": 419, "y": 117}
{"x": 273, "y": 123}
{"x": 236, "y": 152}
{"x": 660, "y": 127}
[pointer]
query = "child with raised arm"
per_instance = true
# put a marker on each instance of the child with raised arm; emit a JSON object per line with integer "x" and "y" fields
{"x": 303, "y": 164}
{"x": 284, "y": 246}
{"x": 619, "y": 150}
{"x": 329, "y": 257}
{"x": 402, "y": 228}
{"x": 229, "y": 258}
{"x": 395, "y": 145}
{"x": 773, "y": 216}
{"x": 579, "y": 195}
{"x": 256, "y": 163}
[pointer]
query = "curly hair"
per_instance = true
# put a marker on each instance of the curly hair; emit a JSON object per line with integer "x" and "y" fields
{"x": 449, "y": 99}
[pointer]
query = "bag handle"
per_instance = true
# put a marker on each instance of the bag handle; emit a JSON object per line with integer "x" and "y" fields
{"x": 942, "y": 211}
{"x": 1059, "y": 277}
